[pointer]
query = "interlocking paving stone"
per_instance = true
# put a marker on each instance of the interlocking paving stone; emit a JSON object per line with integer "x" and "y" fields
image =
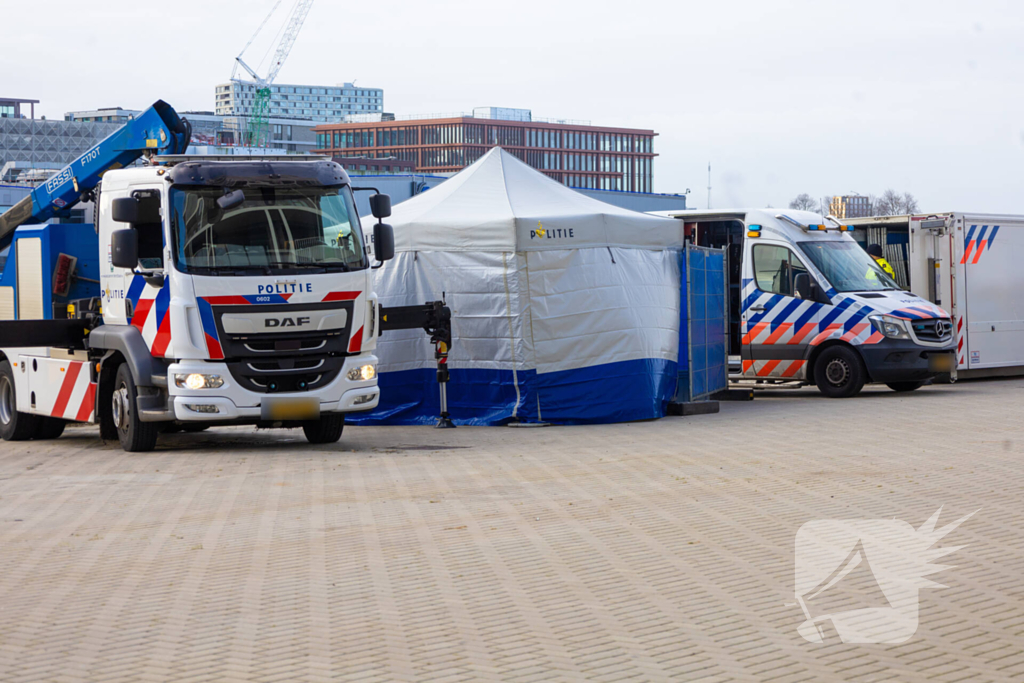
{"x": 647, "y": 551}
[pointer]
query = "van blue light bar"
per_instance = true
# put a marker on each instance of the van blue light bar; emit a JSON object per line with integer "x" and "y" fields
{"x": 825, "y": 228}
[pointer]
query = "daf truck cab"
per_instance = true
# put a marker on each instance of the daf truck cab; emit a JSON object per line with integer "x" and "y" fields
{"x": 808, "y": 305}
{"x": 210, "y": 292}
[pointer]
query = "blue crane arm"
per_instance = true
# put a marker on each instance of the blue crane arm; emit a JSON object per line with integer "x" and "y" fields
{"x": 159, "y": 129}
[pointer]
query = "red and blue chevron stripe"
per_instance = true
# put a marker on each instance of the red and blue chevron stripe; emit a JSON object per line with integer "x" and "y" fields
{"x": 209, "y": 322}
{"x": 799, "y": 322}
{"x": 147, "y": 303}
{"x": 976, "y": 247}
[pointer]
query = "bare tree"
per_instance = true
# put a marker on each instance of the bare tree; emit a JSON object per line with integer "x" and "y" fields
{"x": 892, "y": 203}
{"x": 909, "y": 203}
{"x": 804, "y": 202}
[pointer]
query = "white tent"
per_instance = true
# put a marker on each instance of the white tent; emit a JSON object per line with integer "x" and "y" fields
{"x": 565, "y": 309}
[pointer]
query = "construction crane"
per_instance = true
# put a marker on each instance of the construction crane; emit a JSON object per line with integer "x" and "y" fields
{"x": 260, "y": 110}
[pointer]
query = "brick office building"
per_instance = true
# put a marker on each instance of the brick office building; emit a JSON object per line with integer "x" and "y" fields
{"x": 578, "y": 155}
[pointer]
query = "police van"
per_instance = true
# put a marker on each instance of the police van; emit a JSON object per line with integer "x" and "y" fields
{"x": 809, "y": 306}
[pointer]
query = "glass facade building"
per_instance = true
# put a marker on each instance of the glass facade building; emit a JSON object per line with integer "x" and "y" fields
{"x": 208, "y": 129}
{"x": 850, "y": 206}
{"x": 34, "y": 143}
{"x": 320, "y": 103}
{"x": 11, "y": 108}
{"x": 579, "y": 156}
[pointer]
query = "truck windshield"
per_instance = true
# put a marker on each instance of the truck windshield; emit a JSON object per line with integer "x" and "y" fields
{"x": 275, "y": 230}
{"x": 847, "y": 267}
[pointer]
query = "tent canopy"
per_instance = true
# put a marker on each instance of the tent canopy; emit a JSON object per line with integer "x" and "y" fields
{"x": 499, "y": 204}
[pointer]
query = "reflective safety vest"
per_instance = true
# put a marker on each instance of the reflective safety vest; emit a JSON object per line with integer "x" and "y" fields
{"x": 885, "y": 266}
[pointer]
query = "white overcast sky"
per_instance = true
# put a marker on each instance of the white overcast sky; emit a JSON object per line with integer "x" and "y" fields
{"x": 782, "y": 97}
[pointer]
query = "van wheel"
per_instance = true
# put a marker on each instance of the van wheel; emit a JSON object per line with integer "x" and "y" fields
{"x": 135, "y": 435}
{"x": 49, "y": 428}
{"x": 14, "y": 426}
{"x": 839, "y": 372}
{"x": 325, "y": 430}
{"x": 905, "y": 386}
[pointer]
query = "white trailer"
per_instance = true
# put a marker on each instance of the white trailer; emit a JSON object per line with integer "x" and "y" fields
{"x": 972, "y": 265}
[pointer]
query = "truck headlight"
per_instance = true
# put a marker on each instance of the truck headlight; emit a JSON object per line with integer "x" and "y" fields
{"x": 362, "y": 374}
{"x": 196, "y": 381}
{"x": 893, "y": 328}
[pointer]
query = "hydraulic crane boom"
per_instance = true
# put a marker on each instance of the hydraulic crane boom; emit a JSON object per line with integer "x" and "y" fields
{"x": 158, "y": 130}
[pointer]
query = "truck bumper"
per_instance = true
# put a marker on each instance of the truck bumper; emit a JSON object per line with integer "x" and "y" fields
{"x": 232, "y": 402}
{"x": 902, "y": 360}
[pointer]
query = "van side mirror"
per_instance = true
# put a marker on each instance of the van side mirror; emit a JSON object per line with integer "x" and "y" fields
{"x": 803, "y": 286}
{"x": 809, "y": 289}
{"x": 383, "y": 243}
{"x": 380, "y": 205}
{"x": 125, "y": 210}
{"x": 124, "y": 248}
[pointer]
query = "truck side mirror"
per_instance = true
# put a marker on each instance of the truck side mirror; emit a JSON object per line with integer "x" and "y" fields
{"x": 124, "y": 248}
{"x": 125, "y": 210}
{"x": 380, "y": 205}
{"x": 383, "y": 243}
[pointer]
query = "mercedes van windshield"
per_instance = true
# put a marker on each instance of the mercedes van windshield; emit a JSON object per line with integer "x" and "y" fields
{"x": 847, "y": 267}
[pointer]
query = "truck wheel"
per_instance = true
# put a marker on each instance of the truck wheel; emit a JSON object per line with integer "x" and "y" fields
{"x": 104, "y": 415}
{"x": 49, "y": 428}
{"x": 905, "y": 386}
{"x": 325, "y": 430}
{"x": 135, "y": 435}
{"x": 14, "y": 426}
{"x": 839, "y": 372}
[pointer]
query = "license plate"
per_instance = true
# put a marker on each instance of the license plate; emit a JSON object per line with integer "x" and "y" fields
{"x": 940, "y": 362}
{"x": 286, "y": 409}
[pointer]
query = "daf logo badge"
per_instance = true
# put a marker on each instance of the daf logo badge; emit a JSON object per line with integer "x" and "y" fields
{"x": 286, "y": 322}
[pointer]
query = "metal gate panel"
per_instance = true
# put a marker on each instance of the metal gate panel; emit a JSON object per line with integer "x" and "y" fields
{"x": 703, "y": 323}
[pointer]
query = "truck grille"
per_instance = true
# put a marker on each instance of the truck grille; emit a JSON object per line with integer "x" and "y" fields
{"x": 287, "y": 362}
{"x": 286, "y": 374}
{"x": 276, "y": 346}
{"x": 933, "y": 330}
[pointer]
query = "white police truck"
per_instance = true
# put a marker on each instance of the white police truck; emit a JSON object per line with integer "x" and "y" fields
{"x": 208, "y": 292}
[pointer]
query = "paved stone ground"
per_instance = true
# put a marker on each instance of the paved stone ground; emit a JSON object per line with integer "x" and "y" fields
{"x": 625, "y": 552}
